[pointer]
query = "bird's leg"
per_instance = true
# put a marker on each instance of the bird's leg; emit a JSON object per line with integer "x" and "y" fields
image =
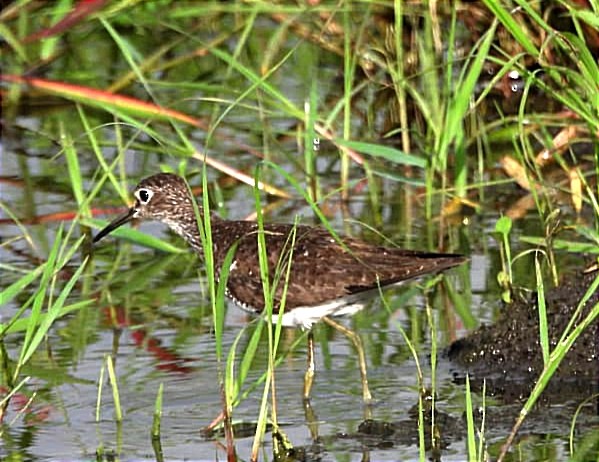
{"x": 207, "y": 430}
{"x": 309, "y": 377}
{"x": 355, "y": 339}
{"x": 311, "y": 420}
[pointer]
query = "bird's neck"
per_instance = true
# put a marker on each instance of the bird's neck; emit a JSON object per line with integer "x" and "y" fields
{"x": 186, "y": 226}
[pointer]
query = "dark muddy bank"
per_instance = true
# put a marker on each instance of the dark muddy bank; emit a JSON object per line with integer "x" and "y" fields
{"x": 508, "y": 355}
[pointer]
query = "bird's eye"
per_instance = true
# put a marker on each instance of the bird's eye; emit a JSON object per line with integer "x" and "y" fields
{"x": 144, "y": 195}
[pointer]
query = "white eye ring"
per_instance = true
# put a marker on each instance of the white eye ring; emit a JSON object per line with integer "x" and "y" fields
{"x": 144, "y": 195}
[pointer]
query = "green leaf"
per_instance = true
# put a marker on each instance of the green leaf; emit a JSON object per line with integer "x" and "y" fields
{"x": 386, "y": 152}
{"x": 16, "y": 287}
{"x": 562, "y": 244}
{"x": 503, "y": 225}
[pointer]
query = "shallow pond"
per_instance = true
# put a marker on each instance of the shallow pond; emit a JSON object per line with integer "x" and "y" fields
{"x": 152, "y": 316}
{"x": 149, "y": 310}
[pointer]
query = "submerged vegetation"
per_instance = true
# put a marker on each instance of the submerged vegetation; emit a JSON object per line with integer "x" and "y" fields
{"x": 467, "y": 127}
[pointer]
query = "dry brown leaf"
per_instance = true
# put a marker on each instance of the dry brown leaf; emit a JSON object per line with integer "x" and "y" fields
{"x": 521, "y": 207}
{"x": 576, "y": 189}
{"x": 514, "y": 170}
{"x": 560, "y": 142}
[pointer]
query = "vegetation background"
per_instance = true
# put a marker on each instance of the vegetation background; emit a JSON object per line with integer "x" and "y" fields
{"x": 455, "y": 126}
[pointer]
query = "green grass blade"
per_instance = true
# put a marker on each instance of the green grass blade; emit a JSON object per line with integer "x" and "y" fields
{"x": 54, "y": 312}
{"x": 76, "y": 180}
{"x": 470, "y": 427}
{"x": 118, "y": 412}
{"x": 384, "y": 152}
{"x": 542, "y": 312}
{"x": 98, "y": 413}
{"x": 261, "y": 81}
{"x": 511, "y": 24}
{"x": 249, "y": 355}
{"x": 219, "y": 314}
{"x": 38, "y": 301}
{"x": 157, "y": 418}
{"x": 21, "y": 324}
{"x": 563, "y": 244}
{"x": 17, "y": 287}
{"x": 463, "y": 93}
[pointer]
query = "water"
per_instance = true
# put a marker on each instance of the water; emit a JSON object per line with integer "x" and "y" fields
{"x": 151, "y": 314}
{"x": 150, "y": 311}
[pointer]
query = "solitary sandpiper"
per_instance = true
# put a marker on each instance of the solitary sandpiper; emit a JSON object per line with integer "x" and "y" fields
{"x": 327, "y": 278}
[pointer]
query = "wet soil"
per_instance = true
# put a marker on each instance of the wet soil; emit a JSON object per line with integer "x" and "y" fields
{"x": 507, "y": 354}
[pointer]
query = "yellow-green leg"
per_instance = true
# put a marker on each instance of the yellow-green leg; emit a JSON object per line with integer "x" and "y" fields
{"x": 309, "y": 377}
{"x": 311, "y": 420}
{"x": 355, "y": 339}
